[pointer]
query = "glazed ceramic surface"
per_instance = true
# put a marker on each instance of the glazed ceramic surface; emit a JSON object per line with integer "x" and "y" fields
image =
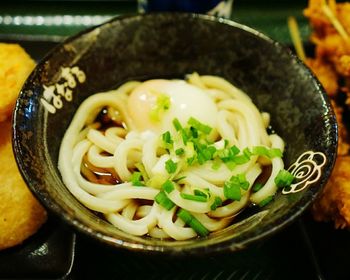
{"x": 170, "y": 46}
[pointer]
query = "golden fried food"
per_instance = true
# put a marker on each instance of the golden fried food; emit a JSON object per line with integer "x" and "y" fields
{"x": 331, "y": 28}
{"x": 343, "y": 145}
{"x": 330, "y": 22}
{"x": 21, "y": 215}
{"x": 15, "y": 67}
{"x": 334, "y": 202}
{"x": 326, "y": 74}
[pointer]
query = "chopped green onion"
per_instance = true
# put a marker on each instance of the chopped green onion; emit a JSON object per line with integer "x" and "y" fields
{"x": 163, "y": 101}
{"x": 275, "y": 153}
{"x": 166, "y": 136}
{"x": 189, "y": 150}
{"x": 162, "y": 104}
{"x": 266, "y": 201}
{"x": 185, "y": 135}
{"x": 177, "y": 124}
{"x": 230, "y": 165}
{"x": 201, "y": 193}
{"x": 199, "y": 126}
{"x": 209, "y": 152}
{"x": 193, "y": 197}
{"x": 143, "y": 171}
{"x": 257, "y": 187}
{"x": 232, "y": 190}
{"x": 217, "y": 202}
{"x": 136, "y": 179}
{"x": 194, "y": 132}
{"x": 216, "y": 165}
{"x": 179, "y": 151}
{"x": 179, "y": 179}
{"x": 192, "y": 222}
{"x": 284, "y": 179}
{"x": 170, "y": 166}
{"x": 242, "y": 159}
{"x": 266, "y": 152}
{"x": 260, "y": 151}
{"x": 168, "y": 186}
{"x": 247, "y": 152}
{"x": 157, "y": 180}
{"x": 244, "y": 184}
{"x": 226, "y": 143}
{"x": 232, "y": 187}
{"x": 228, "y": 154}
{"x": 191, "y": 160}
{"x": 162, "y": 199}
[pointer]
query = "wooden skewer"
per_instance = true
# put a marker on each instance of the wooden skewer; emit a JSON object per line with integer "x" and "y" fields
{"x": 296, "y": 38}
{"x": 334, "y": 20}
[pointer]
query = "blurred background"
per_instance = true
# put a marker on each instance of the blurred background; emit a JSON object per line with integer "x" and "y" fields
{"x": 54, "y": 20}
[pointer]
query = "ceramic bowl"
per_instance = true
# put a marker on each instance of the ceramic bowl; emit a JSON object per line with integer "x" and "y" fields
{"x": 172, "y": 45}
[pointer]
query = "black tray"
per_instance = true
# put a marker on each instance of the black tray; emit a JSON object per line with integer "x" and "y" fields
{"x": 304, "y": 250}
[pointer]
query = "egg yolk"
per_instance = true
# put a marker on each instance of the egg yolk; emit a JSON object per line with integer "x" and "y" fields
{"x": 154, "y": 104}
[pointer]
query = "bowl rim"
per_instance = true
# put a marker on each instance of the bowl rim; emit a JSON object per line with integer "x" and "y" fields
{"x": 225, "y": 245}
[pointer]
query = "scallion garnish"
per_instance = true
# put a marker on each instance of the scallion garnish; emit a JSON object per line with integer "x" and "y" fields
{"x": 190, "y": 160}
{"x": 194, "y": 132}
{"x": 168, "y": 186}
{"x": 162, "y": 104}
{"x": 274, "y": 152}
{"x": 170, "y": 166}
{"x": 166, "y": 136}
{"x": 266, "y": 152}
{"x": 266, "y": 201}
{"x": 247, "y": 153}
{"x": 216, "y": 164}
{"x": 136, "y": 179}
{"x": 257, "y": 187}
{"x": 226, "y": 143}
{"x": 185, "y": 135}
{"x": 217, "y": 202}
{"x": 230, "y": 165}
{"x": 177, "y": 124}
{"x": 232, "y": 187}
{"x": 143, "y": 171}
{"x": 193, "y": 197}
{"x": 192, "y": 222}
{"x": 162, "y": 199}
{"x": 179, "y": 179}
{"x": 201, "y": 193}
{"x": 284, "y": 179}
{"x": 199, "y": 126}
{"x": 244, "y": 184}
{"x": 228, "y": 154}
{"x": 232, "y": 190}
{"x": 179, "y": 151}
{"x": 241, "y": 159}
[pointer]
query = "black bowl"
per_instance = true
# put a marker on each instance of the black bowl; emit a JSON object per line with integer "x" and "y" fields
{"x": 172, "y": 45}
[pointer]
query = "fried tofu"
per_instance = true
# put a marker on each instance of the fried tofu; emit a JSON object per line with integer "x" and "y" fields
{"x": 15, "y": 67}
{"x": 334, "y": 201}
{"x": 21, "y": 214}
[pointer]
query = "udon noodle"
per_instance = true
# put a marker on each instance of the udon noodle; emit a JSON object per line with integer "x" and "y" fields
{"x": 171, "y": 158}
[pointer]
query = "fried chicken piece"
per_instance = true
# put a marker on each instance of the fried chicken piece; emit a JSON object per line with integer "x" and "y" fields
{"x": 334, "y": 201}
{"x": 320, "y": 23}
{"x": 21, "y": 215}
{"x": 326, "y": 74}
{"x": 15, "y": 67}
{"x": 343, "y": 145}
{"x": 331, "y": 45}
{"x": 343, "y": 65}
